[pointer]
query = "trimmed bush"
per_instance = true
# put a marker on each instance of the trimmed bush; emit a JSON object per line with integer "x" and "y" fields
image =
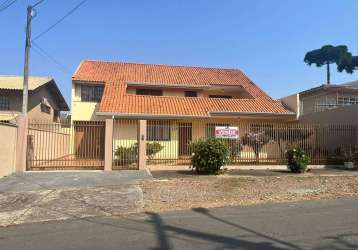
{"x": 129, "y": 155}
{"x": 153, "y": 148}
{"x": 209, "y": 155}
{"x": 126, "y": 155}
{"x": 297, "y": 160}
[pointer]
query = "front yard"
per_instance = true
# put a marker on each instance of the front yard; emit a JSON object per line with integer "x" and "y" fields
{"x": 184, "y": 192}
{"x": 35, "y": 197}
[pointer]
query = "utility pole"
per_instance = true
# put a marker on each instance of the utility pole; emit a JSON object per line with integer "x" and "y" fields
{"x": 26, "y": 64}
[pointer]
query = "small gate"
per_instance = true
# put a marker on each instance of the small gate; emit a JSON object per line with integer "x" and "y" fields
{"x": 59, "y": 146}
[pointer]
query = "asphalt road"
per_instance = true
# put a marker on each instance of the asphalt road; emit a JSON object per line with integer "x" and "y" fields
{"x": 304, "y": 225}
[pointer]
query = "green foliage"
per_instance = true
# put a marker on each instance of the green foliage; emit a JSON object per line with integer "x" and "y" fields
{"x": 129, "y": 155}
{"x": 209, "y": 155}
{"x": 258, "y": 138}
{"x": 126, "y": 155}
{"x": 327, "y": 55}
{"x": 153, "y": 148}
{"x": 297, "y": 160}
{"x": 348, "y": 63}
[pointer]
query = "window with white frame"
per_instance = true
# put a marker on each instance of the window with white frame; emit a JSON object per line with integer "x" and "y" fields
{"x": 334, "y": 102}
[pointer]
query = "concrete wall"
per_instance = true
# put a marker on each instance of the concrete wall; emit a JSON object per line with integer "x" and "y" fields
{"x": 342, "y": 115}
{"x": 292, "y": 102}
{"x": 8, "y": 139}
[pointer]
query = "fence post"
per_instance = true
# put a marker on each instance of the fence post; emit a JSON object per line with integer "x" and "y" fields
{"x": 21, "y": 143}
{"x": 108, "y": 145}
{"x": 142, "y": 144}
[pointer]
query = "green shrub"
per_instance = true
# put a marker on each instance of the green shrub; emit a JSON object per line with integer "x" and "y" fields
{"x": 129, "y": 155}
{"x": 126, "y": 155}
{"x": 209, "y": 155}
{"x": 153, "y": 148}
{"x": 297, "y": 160}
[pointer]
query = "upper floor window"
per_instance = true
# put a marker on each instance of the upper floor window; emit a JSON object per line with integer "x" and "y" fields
{"x": 91, "y": 93}
{"x": 335, "y": 102}
{"x": 153, "y": 92}
{"x": 190, "y": 94}
{"x": 4, "y": 103}
{"x": 221, "y": 96}
{"x": 347, "y": 100}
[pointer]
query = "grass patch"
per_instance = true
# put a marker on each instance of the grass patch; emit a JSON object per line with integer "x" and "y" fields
{"x": 235, "y": 182}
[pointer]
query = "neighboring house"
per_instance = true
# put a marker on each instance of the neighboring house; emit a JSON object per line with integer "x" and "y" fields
{"x": 180, "y": 103}
{"x": 45, "y": 100}
{"x": 328, "y": 103}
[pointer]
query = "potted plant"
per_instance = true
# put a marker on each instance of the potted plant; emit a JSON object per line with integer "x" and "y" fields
{"x": 348, "y": 158}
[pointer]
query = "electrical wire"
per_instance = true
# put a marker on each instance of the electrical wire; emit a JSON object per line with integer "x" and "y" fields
{"x": 43, "y": 53}
{"x": 60, "y": 20}
{"x": 38, "y": 3}
{"x": 6, "y": 4}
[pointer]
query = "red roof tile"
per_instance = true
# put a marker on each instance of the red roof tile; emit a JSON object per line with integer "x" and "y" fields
{"x": 116, "y": 75}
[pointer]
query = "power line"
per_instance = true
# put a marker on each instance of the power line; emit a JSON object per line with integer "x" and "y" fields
{"x": 39, "y": 2}
{"x": 6, "y": 4}
{"x": 60, "y": 20}
{"x": 43, "y": 53}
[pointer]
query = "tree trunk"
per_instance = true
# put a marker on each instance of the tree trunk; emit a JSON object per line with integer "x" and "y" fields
{"x": 328, "y": 74}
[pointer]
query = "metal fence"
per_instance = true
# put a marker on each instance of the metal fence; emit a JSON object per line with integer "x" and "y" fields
{"x": 125, "y": 144}
{"x": 169, "y": 142}
{"x": 79, "y": 145}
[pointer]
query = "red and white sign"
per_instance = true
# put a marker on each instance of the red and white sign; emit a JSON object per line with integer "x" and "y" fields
{"x": 227, "y": 132}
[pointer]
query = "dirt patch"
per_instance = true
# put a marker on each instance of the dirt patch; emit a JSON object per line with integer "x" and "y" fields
{"x": 217, "y": 191}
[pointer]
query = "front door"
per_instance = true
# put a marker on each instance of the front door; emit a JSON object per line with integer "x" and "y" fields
{"x": 185, "y": 137}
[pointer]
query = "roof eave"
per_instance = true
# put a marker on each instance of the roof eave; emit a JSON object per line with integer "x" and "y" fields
{"x": 229, "y": 113}
{"x": 210, "y": 115}
{"x": 147, "y": 115}
{"x": 165, "y": 85}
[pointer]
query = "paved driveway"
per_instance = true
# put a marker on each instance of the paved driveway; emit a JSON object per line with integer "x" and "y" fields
{"x": 46, "y": 196}
{"x": 39, "y": 181}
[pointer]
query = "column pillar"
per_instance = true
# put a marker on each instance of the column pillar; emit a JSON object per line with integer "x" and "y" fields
{"x": 21, "y": 143}
{"x": 108, "y": 145}
{"x": 142, "y": 144}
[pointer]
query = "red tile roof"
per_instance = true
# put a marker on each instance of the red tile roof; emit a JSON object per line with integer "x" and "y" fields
{"x": 116, "y": 75}
{"x": 114, "y": 100}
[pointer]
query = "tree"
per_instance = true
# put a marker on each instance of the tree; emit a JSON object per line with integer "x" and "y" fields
{"x": 327, "y": 55}
{"x": 348, "y": 63}
{"x": 259, "y": 137}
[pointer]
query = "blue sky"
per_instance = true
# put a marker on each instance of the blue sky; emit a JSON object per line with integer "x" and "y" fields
{"x": 266, "y": 39}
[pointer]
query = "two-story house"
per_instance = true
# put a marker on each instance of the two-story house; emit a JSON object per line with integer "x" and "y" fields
{"x": 328, "y": 103}
{"x": 45, "y": 101}
{"x": 166, "y": 96}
